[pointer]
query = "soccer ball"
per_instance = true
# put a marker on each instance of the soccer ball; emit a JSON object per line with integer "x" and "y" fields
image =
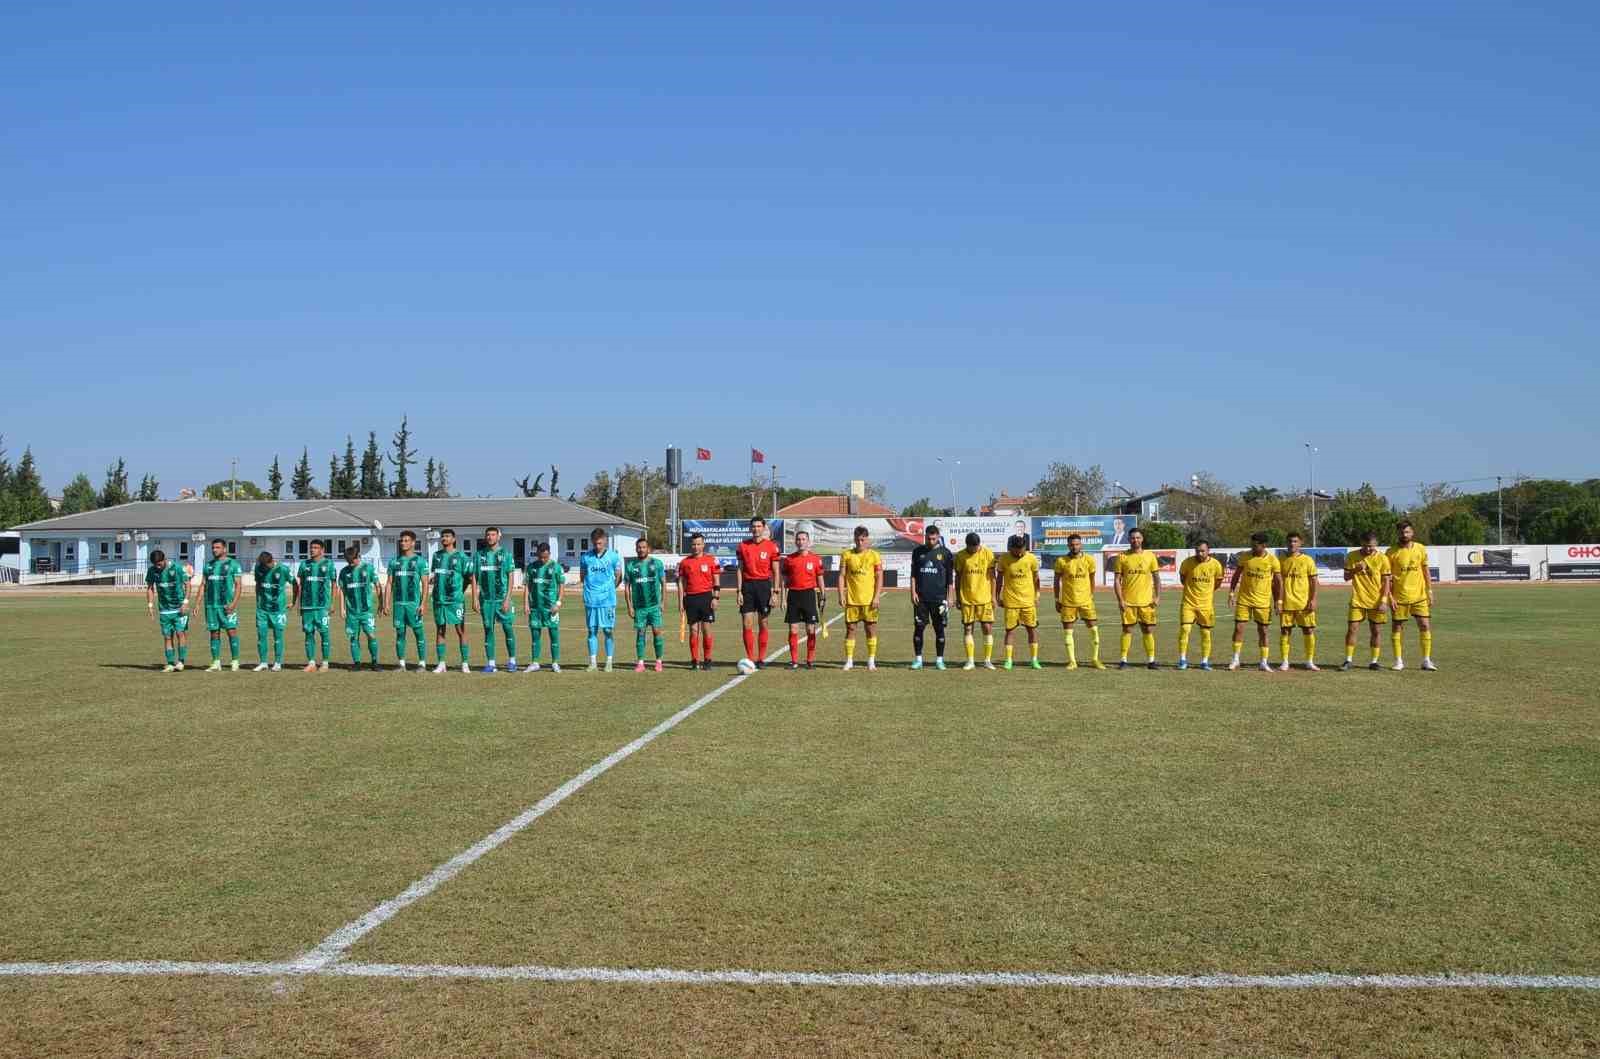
{"x": 746, "y": 666}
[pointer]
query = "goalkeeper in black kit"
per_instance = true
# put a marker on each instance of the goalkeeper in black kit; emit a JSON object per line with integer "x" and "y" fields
{"x": 933, "y": 570}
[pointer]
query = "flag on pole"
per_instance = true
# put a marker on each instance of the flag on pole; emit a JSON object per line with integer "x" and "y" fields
{"x": 702, "y": 454}
{"x": 757, "y": 456}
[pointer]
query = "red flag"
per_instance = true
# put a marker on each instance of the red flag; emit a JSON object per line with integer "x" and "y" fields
{"x": 702, "y": 454}
{"x": 757, "y": 456}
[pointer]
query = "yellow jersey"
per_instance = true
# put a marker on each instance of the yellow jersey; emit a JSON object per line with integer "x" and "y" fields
{"x": 1075, "y": 580}
{"x": 1138, "y": 571}
{"x": 1408, "y": 565}
{"x": 1016, "y": 580}
{"x": 1255, "y": 579}
{"x": 1299, "y": 571}
{"x": 975, "y": 576}
{"x": 859, "y": 570}
{"x": 1366, "y": 589}
{"x": 1200, "y": 580}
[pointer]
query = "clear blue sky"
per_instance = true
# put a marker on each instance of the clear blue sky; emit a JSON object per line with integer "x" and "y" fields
{"x": 1190, "y": 237}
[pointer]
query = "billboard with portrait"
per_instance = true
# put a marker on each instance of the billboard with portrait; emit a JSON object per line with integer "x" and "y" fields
{"x": 1050, "y": 532}
{"x": 898, "y": 536}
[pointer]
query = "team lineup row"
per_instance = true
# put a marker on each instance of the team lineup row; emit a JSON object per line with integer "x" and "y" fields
{"x": 1385, "y": 585}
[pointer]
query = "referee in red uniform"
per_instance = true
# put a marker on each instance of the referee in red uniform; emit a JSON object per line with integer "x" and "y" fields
{"x": 699, "y": 589}
{"x": 758, "y": 558}
{"x": 802, "y": 596}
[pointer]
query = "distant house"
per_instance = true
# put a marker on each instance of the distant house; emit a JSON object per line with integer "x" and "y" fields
{"x": 836, "y": 507}
{"x": 1009, "y": 506}
{"x": 115, "y": 543}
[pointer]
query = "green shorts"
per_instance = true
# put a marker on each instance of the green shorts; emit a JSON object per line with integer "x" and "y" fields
{"x": 647, "y": 617}
{"x": 449, "y": 613}
{"x": 493, "y": 615}
{"x": 218, "y": 618}
{"x": 356, "y": 624}
{"x": 266, "y": 620}
{"x": 314, "y": 621}
{"x": 408, "y": 616}
{"x": 173, "y": 622}
{"x": 543, "y": 619}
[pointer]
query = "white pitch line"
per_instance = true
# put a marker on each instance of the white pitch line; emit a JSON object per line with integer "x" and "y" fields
{"x": 335, "y": 945}
{"x": 823, "y": 979}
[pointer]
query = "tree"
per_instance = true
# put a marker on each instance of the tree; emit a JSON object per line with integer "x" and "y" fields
{"x": 622, "y": 492}
{"x": 224, "y": 490}
{"x": 349, "y": 478}
{"x": 335, "y": 479}
{"x": 1578, "y": 523}
{"x": 1352, "y": 514}
{"x": 441, "y": 480}
{"x": 115, "y": 489}
{"x": 877, "y": 492}
{"x": 1162, "y": 535}
{"x": 921, "y": 507}
{"x": 302, "y": 484}
{"x": 150, "y": 488}
{"x": 275, "y": 479}
{"x": 430, "y": 479}
{"x": 1257, "y": 495}
{"x": 1066, "y": 487}
{"x": 402, "y": 456}
{"x": 555, "y": 477}
{"x": 28, "y": 501}
{"x": 372, "y": 485}
{"x": 1462, "y": 527}
{"x": 5, "y": 486}
{"x": 79, "y": 496}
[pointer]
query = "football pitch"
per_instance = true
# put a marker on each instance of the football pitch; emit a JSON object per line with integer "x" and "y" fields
{"x": 822, "y": 863}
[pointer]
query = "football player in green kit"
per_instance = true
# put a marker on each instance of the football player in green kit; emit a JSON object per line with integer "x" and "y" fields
{"x": 166, "y": 593}
{"x": 404, "y": 597}
{"x": 541, "y": 594}
{"x": 647, "y": 582}
{"x": 491, "y": 573}
{"x": 222, "y": 581}
{"x": 316, "y": 595}
{"x": 452, "y": 579}
{"x": 358, "y": 591}
{"x": 274, "y": 582}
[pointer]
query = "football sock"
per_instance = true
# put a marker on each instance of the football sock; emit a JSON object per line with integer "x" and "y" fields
{"x": 938, "y": 641}
{"x": 372, "y": 649}
{"x": 233, "y": 646}
{"x": 1427, "y": 643}
{"x": 555, "y": 644}
{"x": 1266, "y": 653}
{"x": 811, "y": 647}
{"x": 705, "y": 646}
{"x": 694, "y": 648}
{"x": 794, "y": 647}
{"x": 1376, "y": 652}
{"x": 638, "y": 643}
{"x": 1349, "y": 652}
{"x": 764, "y": 638}
{"x": 1205, "y": 644}
{"x": 1398, "y": 641}
{"x": 438, "y": 649}
{"x": 355, "y": 649}
{"x": 261, "y": 644}
{"x": 535, "y": 635}
{"x": 971, "y": 646}
{"x": 1127, "y": 643}
{"x": 216, "y": 647}
{"x": 1072, "y": 648}
{"x": 465, "y": 651}
{"x": 1184, "y": 632}
{"x": 1033, "y": 650}
{"x": 872, "y": 648}
{"x": 511, "y": 643}
{"x": 750, "y": 644}
{"x": 1283, "y": 646}
{"x": 172, "y": 656}
{"x": 988, "y": 647}
{"x": 1311, "y": 646}
{"x": 1009, "y": 651}
{"x": 183, "y": 652}
{"x": 1094, "y": 642}
{"x": 1150, "y": 646}
{"x": 850, "y": 649}
{"x": 311, "y": 647}
{"x": 593, "y": 640}
{"x": 611, "y": 644}
{"x": 916, "y": 639}
{"x": 1238, "y": 648}
{"x": 661, "y": 645}
{"x": 488, "y": 642}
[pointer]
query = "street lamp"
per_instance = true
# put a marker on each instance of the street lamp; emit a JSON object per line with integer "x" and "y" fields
{"x": 1311, "y": 490}
{"x": 950, "y": 466}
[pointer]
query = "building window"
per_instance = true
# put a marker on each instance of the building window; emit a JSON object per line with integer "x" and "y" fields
{"x": 118, "y": 550}
{"x": 233, "y": 549}
{"x": 183, "y": 549}
{"x": 572, "y": 545}
{"x": 105, "y": 549}
{"x": 466, "y": 545}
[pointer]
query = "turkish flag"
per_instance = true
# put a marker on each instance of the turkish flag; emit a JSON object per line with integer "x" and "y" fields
{"x": 702, "y": 454}
{"x": 757, "y": 456}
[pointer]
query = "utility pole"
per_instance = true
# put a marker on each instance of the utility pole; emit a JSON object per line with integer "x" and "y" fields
{"x": 775, "y": 493}
{"x": 1311, "y": 491}
{"x": 1500, "y": 502}
{"x": 233, "y": 478}
{"x": 644, "y": 497}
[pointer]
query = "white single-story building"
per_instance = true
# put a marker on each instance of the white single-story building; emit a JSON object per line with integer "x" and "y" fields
{"x": 114, "y": 544}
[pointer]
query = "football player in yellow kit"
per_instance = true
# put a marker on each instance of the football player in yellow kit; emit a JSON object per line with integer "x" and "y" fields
{"x": 1412, "y": 592}
{"x": 1201, "y": 576}
{"x": 1074, "y": 590}
{"x": 1299, "y": 609}
{"x": 1137, "y": 585}
{"x": 1262, "y": 576}
{"x": 1367, "y": 570}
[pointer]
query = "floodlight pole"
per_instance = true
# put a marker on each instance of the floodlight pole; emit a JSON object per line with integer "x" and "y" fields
{"x": 1500, "y": 502}
{"x": 1311, "y": 473}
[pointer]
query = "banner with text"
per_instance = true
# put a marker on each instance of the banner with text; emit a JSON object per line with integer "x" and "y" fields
{"x": 894, "y": 536}
{"x": 1050, "y": 532}
{"x": 724, "y": 534}
{"x": 1493, "y": 564}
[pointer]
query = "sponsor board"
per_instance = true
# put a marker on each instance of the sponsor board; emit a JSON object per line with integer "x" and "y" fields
{"x": 1493, "y": 564}
{"x": 896, "y": 537}
{"x": 1050, "y": 533}
{"x": 724, "y": 534}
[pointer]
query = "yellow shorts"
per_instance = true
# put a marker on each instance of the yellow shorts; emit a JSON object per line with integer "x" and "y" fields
{"x": 1138, "y": 615}
{"x": 1072, "y": 614}
{"x": 1027, "y": 616}
{"x": 1376, "y": 615}
{"x": 1259, "y": 615}
{"x": 1402, "y": 611}
{"x": 854, "y": 614}
{"x": 1301, "y": 619}
{"x": 973, "y": 613}
{"x": 1188, "y": 615}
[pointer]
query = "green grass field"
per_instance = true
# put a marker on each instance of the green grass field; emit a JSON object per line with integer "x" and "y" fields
{"x": 1149, "y": 823}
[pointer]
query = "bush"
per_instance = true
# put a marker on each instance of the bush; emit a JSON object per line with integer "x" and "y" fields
{"x": 1162, "y": 535}
{"x": 1463, "y": 527}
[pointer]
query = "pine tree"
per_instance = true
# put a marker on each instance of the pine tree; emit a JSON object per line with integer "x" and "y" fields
{"x": 115, "y": 489}
{"x": 335, "y": 479}
{"x": 430, "y": 479}
{"x": 441, "y": 481}
{"x": 301, "y": 485}
{"x": 149, "y": 488}
{"x": 275, "y": 480}
{"x": 79, "y": 496}
{"x": 348, "y": 480}
{"x": 372, "y": 486}
{"x": 402, "y": 457}
{"x": 28, "y": 500}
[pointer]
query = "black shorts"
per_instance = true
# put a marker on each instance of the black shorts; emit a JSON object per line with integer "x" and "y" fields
{"x": 697, "y": 608}
{"x": 804, "y": 607}
{"x": 923, "y": 613}
{"x": 756, "y": 598}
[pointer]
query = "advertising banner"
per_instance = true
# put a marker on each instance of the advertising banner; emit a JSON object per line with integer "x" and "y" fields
{"x": 898, "y": 536}
{"x": 724, "y": 534}
{"x": 1574, "y": 562}
{"x": 1493, "y": 564}
{"x": 1167, "y": 557}
{"x": 1050, "y": 533}
{"x": 1330, "y": 563}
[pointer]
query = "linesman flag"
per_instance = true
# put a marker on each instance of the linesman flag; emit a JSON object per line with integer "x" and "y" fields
{"x": 757, "y": 456}
{"x": 702, "y": 454}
